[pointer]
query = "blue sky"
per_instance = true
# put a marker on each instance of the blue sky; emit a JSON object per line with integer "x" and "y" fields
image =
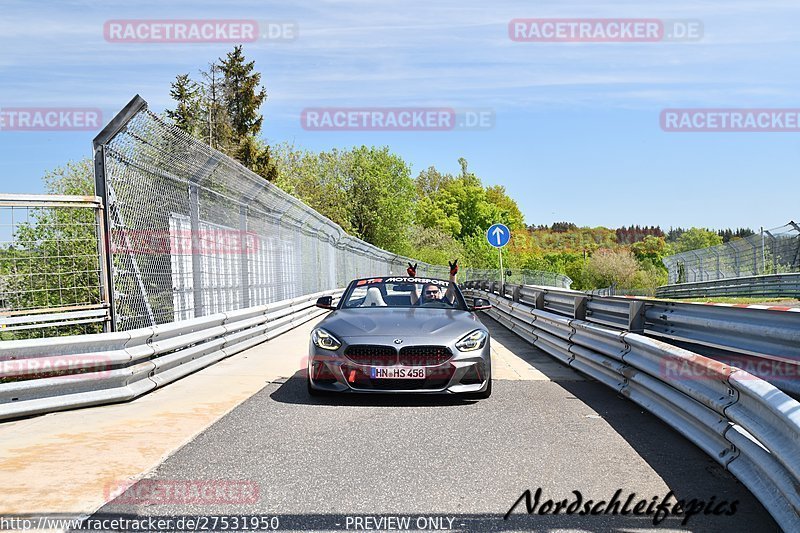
{"x": 576, "y": 134}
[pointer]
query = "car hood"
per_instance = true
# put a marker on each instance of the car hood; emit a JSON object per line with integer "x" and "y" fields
{"x": 413, "y": 321}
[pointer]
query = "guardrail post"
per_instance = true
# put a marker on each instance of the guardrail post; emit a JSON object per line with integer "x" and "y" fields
{"x": 579, "y": 311}
{"x": 636, "y": 316}
{"x": 516, "y": 293}
{"x": 538, "y": 300}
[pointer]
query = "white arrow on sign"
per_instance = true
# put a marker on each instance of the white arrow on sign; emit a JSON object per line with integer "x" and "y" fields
{"x": 498, "y": 233}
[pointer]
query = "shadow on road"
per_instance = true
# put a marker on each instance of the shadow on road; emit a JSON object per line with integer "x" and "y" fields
{"x": 293, "y": 391}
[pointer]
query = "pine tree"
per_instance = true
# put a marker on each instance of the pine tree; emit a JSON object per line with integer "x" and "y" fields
{"x": 216, "y": 128}
{"x": 186, "y": 94}
{"x": 243, "y": 95}
{"x": 223, "y": 111}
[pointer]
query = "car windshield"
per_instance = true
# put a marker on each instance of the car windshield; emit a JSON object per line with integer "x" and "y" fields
{"x": 403, "y": 292}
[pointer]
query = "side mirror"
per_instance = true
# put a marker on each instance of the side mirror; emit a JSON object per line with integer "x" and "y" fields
{"x": 480, "y": 304}
{"x": 325, "y": 302}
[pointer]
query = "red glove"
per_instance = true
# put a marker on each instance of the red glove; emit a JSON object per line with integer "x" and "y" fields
{"x": 412, "y": 270}
{"x": 453, "y": 267}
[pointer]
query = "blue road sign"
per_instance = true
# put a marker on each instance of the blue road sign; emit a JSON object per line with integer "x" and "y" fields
{"x": 498, "y": 235}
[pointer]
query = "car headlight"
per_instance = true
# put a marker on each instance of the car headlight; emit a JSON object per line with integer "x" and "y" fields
{"x": 473, "y": 341}
{"x": 323, "y": 339}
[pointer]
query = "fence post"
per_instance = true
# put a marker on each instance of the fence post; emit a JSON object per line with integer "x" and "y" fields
{"x": 774, "y": 253}
{"x": 116, "y": 125}
{"x": 244, "y": 238}
{"x": 796, "y": 261}
{"x": 104, "y": 241}
{"x": 197, "y": 259}
{"x": 701, "y": 267}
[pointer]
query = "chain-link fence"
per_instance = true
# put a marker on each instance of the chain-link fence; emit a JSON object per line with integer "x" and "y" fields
{"x": 51, "y": 281}
{"x": 773, "y": 251}
{"x": 193, "y": 232}
{"x": 519, "y": 277}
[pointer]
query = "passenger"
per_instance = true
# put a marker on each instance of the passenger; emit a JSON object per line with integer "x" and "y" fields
{"x": 432, "y": 292}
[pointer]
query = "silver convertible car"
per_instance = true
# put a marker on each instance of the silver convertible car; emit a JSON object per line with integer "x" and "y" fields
{"x": 401, "y": 335}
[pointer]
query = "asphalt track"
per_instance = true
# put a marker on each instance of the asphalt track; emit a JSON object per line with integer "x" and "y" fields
{"x": 370, "y": 462}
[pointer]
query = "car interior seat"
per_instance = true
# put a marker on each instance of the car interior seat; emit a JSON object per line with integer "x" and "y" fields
{"x": 374, "y": 298}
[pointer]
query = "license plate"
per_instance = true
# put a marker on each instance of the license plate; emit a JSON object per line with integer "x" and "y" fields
{"x": 397, "y": 372}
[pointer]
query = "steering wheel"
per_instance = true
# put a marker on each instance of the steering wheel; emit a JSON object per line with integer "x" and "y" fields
{"x": 433, "y": 303}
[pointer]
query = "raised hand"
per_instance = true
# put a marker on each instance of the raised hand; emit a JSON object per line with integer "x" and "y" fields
{"x": 453, "y": 267}
{"x": 412, "y": 270}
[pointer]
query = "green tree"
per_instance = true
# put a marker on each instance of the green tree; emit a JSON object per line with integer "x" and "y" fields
{"x": 649, "y": 277}
{"x": 652, "y": 250}
{"x": 243, "y": 94}
{"x": 255, "y": 154}
{"x": 696, "y": 238}
{"x": 224, "y": 111}
{"x": 215, "y": 127}
{"x": 608, "y": 267}
{"x": 52, "y": 260}
{"x": 380, "y": 196}
{"x": 430, "y": 181}
{"x": 318, "y": 179}
{"x": 434, "y": 246}
{"x": 187, "y": 113}
{"x": 366, "y": 190}
{"x": 507, "y": 208}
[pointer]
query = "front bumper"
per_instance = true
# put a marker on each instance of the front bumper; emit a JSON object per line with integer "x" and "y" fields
{"x": 465, "y": 372}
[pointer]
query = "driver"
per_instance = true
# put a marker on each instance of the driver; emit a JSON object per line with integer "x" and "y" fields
{"x": 432, "y": 292}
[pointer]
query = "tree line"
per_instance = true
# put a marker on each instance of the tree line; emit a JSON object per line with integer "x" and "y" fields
{"x": 432, "y": 216}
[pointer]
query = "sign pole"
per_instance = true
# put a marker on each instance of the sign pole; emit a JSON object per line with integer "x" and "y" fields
{"x": 502, "y": 280}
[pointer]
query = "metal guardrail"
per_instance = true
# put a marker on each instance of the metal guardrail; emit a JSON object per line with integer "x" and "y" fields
{"x": 747, "y": 425}
{"x": 770, "y": 286}
{"x": 45, "y": 375}
{"x": 766, "y": 341}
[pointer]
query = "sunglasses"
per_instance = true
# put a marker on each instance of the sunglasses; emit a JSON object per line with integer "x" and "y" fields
{"x": 432, "y": 292}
